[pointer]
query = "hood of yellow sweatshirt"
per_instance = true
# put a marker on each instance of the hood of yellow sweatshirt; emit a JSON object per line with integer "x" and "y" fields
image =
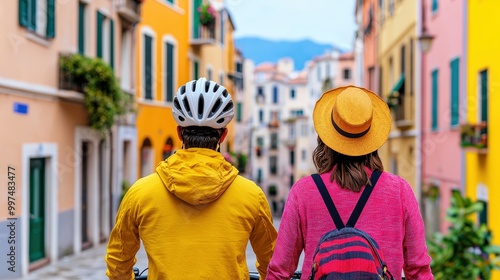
{"x": 196, "y": 175}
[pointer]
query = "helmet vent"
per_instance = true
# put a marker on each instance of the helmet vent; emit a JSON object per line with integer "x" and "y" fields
{"x": 188, "y": 109}
{"x": 207, "y": 86}
{"x": 201, "y": 105}
{"x": 224, "y": 93}
{"x": 221, "y": 120}
{"x": 177, "y": 105}
{"x": 216, "y": 87}
{"x": 215, "y": 108}
{"x": 183, "y": 89}
{"x": 181, "y": 119}
{"x": 193, "y": 86}
{"x": 228, "y": 107}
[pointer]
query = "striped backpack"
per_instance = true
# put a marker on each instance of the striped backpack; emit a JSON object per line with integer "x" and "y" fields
{"x": 347, "y": 252}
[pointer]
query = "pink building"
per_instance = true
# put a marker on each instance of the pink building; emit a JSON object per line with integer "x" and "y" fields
{"x": 443, "y": 95}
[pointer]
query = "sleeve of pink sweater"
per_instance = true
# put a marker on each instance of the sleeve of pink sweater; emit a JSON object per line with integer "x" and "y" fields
{"x": 289, "y": 244}
{"x": 416, "y": 257}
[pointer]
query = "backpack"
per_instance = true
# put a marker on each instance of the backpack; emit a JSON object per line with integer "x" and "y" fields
{"x": 347, "y": 252}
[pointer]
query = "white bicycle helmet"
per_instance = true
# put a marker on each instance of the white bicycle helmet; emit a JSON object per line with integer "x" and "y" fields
{"x": 203, "y": 103}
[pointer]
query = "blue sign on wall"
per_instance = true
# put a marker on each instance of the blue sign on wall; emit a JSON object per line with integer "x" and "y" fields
{"x": 20, "y": 108}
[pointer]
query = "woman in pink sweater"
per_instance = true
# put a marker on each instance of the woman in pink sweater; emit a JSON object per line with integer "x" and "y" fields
{"x": 352, "y": 124}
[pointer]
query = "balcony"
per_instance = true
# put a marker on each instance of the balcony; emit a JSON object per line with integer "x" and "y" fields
{"x": 474, "y": 137}
{"x": 70, "y": 87}
{"x": 129, "y": 10}
{"x": 204, "y": 35}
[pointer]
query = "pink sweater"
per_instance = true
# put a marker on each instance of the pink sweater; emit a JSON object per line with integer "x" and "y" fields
{"x": 391, "y": 216}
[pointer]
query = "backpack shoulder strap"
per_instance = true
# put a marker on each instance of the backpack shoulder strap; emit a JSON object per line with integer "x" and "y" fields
{"x": 328, "y": 201}
{"x": 363, "y": 199}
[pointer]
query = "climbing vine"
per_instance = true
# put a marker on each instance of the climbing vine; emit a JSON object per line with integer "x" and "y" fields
{"x": 103, "y": 98}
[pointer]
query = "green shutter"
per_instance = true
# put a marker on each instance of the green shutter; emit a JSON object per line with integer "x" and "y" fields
{"x": 196, "y": 70}
{"x": 484, "y": 95}
{"x": 23, "y": 13}
{"x": 238, "y": 112}
{"x": 32, "y": 15}
{"x": 196, "y": 18}
{"x": 81, "y": 28}
{"x": 435, "y": 99}
{"x": 434, "y": 5}
{"x": 100, "y": 18}
{"x": 169, "y": 77}
{"x": 112, "y": 44}
{"x": 148, "y": 67}
{"x": 455, "y": 76}
{"x": 51, "y": 19}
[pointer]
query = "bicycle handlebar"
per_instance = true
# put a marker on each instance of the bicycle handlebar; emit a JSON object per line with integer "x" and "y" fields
{"x": 253, "y": 275}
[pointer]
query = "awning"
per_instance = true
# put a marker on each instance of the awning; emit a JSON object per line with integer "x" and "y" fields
{"x": 399, "y": 86}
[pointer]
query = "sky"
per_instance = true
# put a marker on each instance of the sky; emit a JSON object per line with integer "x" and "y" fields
{"x": 323, "y": 21}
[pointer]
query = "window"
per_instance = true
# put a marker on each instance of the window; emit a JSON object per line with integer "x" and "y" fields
{"x": 105, "y": 32}
{"x": 196, "y": 70}
{"x": 148, "y": 67}
{"x": 239, "y": 67}
{"x": 274, "y": 141}
{"x": 292, "y": 93}
{"x": 81, "y": 27}
{"x": 347, "y": 73}
{"x": 261, "y": 116}
{"x": 170, "y": 1}
{"x": 403, "y": 59}
{"x": 455, "y": 76}
{"x": 38, "y": 16}
{"x": 434, "y": 100}
{"x": 483, "y": 95}
{"x": 371, "y": 78}
{"x": 275, "y": 94}
{"x": 483, "y": 215}
{"x": 259, "y": 176}
{"x": 169, "y": 71}
{"x": 434, "y": 5}
{"x": 292, "y": 158}
{"x": 260, "y": 95}
{"x": 222, "y": 25}
{"x": 209, "y": 74}
{"x": 273, "y": 165}
{"x": 260, "y": 142}
{"x": 238, "y": 112}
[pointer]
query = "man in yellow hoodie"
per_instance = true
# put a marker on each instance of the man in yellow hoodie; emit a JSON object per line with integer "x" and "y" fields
{"x": 195, "y": 214}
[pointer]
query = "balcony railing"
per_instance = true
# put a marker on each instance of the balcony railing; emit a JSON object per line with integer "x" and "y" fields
{"x": 129, "y": 10}
{"x": 204, "y": 35}
{"x": 66, "y": 80}
{"x": 474, "y": 136}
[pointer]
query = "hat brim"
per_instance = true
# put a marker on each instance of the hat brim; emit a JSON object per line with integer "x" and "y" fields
{"x": 370, "y": 142}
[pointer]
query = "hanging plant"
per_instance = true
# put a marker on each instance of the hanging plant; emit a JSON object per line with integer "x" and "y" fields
{"x": 103, "y": 98}
{"x": 207, "y": 14}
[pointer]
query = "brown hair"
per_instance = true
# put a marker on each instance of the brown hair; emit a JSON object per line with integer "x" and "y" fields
{"x": 349, "y": 171}
{"x": 201, "y": 137}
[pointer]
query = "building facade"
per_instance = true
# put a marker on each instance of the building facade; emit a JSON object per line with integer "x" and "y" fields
{"x": 64, "y": 175}
{"x": 481, "y": 128}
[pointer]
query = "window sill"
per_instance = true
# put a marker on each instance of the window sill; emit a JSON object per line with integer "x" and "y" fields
{"x": 32, "y": 36}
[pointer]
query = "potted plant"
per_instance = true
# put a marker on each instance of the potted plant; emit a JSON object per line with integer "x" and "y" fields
{"x": 207, "y": 14}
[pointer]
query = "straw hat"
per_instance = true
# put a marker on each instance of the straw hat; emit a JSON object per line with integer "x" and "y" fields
{"x": 352, "y": 120}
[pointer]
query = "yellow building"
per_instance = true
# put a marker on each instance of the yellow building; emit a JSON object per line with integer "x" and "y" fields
{"x": 483, "y": 74}
{"x": 174, "y": 48}
{"x": 396, "y": 52}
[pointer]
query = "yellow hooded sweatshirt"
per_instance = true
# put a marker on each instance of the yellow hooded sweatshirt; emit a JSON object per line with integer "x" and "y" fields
{"x": 195, "y": 216}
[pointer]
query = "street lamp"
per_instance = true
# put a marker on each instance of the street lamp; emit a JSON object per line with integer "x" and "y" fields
{"x": 425, "y": 39}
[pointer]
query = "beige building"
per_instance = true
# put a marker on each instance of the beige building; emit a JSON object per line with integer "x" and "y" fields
{"x": 396, "y": 52}
{"x": 67, "y": 177}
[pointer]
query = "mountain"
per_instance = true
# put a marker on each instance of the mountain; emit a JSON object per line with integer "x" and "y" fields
{"x": 264, "y": 50}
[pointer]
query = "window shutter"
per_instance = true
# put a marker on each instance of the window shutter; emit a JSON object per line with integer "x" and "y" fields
{"x": 238, "y": 112}
{"x": 484, "y": 95}
{"x": 100, "y": 18}
{"x": 112, "y": 44}
{"x": 434, "y": 100}
{"x": 455, "y": 92}
{"x": 148, "y": 67}
{"x": 196, "y": 70}
{"x": 169, "y": 82}
{"x": 32, "y": 14}
{"x": 81, "y": 28}
{"x": 23, "y": 13}
{"x": 196, "y": 18}
{"x": 51, "y": 19}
